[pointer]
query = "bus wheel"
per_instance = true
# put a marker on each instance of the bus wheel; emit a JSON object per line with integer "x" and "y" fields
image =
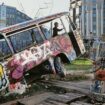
{"x": 59, "y": 67}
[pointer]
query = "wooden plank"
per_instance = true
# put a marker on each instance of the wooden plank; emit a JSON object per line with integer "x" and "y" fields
{"x": 54, "y": 102}
{"x": 80, "y": 103}
{"x": 82, "y": 87}
{"x": 50, "y": 102}
{"x": 66, "y": 98}
{"x": 60, "y": 98}
{"x": 44, "y": 103}
{"x": 32, "y": 100}
{"x": 76, "y": 95}
{"x": 75, "y": 103}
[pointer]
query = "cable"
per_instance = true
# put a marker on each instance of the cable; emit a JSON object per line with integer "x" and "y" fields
{"x": 45, "y": 7}
{"x": 20, "y": 4}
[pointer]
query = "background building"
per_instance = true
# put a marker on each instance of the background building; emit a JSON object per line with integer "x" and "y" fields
{"x": 92, "y": 18}
{"x": 91, "y": 15}
{"x": 10, "y": 15}
{"x": 75, "y": 11}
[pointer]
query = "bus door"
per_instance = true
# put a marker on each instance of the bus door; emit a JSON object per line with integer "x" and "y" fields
{"x": 76, "y": 38}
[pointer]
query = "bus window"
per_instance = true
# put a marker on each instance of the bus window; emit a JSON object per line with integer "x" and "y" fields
{"x": 21, "y": 40}
{"x": 4, "y": 48}
{"x": 37, "y": 36}
{"x": 60, "y": 26}
{"x": 66, "y": 22}
{"x": 1, "y": 36}
{"x": 46, "y": 29}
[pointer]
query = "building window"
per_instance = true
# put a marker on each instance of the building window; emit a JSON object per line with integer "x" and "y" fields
{"x": 94, "y": 28}
{"x": 94, "y": 14}
{"x": 94, "y": 17}
{"x": 94, "y": 23}
{"x": 94, "y": 1}
{"x": 94, "y": 10}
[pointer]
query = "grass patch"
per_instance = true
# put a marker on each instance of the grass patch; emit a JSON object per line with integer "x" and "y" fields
{"x": 82, "y": 61}
{"x": 75, "y": 77}
{"x": 79, "y": 64}
{"x": 69, "y": 77}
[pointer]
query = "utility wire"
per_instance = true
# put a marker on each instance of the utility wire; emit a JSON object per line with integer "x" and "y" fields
{"x": 20, "y": 4}
{"x": 46, "y": 6}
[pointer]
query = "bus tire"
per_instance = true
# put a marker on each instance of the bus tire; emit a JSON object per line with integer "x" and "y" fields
{"x": 59, "y": 67}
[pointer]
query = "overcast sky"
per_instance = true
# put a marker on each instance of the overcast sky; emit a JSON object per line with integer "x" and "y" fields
{"x": 45, "y": 7}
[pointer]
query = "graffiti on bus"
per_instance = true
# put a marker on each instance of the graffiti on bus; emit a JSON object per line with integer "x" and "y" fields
{"x": 28, "y": 59}
{"x": 3, "y": 78}
{"x": 61, "y": 44}
{"x": 33, "y": 56}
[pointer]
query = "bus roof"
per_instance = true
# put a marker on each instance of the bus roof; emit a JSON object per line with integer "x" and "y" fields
{"x": 30, "y": 24}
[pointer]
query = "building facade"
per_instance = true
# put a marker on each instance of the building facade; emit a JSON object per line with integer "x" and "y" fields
{"x": 75, "y": 11}
{"x": 92, "y": 18}
{"x": 10, "y": 16}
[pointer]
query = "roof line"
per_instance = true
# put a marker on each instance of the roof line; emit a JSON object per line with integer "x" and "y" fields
{"x": 30, "y": 23}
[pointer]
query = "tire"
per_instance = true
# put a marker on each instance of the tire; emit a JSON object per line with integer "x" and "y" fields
{"x": 59, "y": 67}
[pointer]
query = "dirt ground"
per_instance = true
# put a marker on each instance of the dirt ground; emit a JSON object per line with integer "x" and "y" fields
{"x": 61, "y": 92}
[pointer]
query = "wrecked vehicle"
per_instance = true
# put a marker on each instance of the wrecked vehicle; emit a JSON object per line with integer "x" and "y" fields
{"x": 28, "y": 50}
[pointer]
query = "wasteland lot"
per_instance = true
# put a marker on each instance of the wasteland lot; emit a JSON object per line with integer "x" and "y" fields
{"x": 42, "y": 92}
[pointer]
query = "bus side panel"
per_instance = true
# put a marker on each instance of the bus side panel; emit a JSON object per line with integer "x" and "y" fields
{"x": 3, "y": 78}
{"x": 63, "y": 44}
{"x": 29, "y": 58}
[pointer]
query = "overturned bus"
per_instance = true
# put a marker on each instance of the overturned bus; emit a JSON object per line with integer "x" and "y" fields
{"x": 29, "y": 48}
